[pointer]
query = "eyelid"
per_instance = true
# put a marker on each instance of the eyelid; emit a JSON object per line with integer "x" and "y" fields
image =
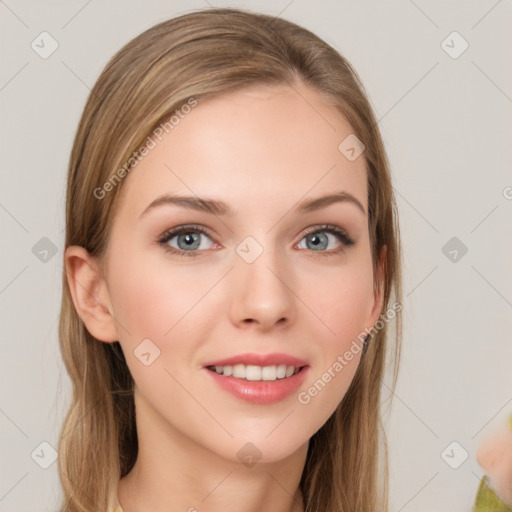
{"x": 182, "y": 229}
{"x": 330, "y": 228}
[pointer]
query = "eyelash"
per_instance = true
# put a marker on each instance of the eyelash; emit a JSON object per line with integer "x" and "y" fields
{"x": 342, "y": 235}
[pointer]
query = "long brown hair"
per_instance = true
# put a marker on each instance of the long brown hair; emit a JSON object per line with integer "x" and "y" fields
{"x": 199, "y": 55}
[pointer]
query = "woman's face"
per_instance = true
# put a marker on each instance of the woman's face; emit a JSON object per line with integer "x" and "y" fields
{"x": 268, "y": 280}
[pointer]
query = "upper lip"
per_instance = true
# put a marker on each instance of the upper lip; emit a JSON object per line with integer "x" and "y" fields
{"x": 274, "y": 359}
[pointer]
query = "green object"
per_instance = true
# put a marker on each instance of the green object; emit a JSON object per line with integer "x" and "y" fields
{"x": 488, "y": 501}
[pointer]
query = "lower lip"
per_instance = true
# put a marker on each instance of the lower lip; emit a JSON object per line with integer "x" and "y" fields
{"x": 261, "y": 391}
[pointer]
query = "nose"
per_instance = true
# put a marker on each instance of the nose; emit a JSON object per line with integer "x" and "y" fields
{"x": 263, "y": 292}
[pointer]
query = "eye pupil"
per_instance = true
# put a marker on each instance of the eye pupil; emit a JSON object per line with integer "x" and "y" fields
{"x": 318, "y": 241}
{"x": 189, "y": 240}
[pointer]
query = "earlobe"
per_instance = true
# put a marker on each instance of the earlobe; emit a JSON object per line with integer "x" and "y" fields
{"x": 89, "y": 293}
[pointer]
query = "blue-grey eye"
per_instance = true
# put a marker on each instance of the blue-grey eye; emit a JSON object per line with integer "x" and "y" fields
{"x": 318, "y": 241}
{"x": 188, "y": 239}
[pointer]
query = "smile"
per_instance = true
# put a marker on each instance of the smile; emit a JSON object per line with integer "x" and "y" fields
{"x": 256, "y": 373}
{"x": 269, "y": 384}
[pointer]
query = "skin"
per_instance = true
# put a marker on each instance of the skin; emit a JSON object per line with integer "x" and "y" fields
{"x": 260, "y": 149}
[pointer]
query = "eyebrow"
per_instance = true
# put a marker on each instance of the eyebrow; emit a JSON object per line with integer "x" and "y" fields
{"x": 220, "y": 208}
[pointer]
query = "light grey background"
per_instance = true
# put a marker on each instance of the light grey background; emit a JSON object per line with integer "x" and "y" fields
{"x": 447, "y": 125}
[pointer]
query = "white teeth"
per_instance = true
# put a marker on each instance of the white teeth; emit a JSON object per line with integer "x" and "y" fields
{"x": 239, "y": 371}
{"x": 256, "y": 373}
{"x": 253, "y": 372}
{"x": 281, "y": 371}
{"x": 269, "y": 373}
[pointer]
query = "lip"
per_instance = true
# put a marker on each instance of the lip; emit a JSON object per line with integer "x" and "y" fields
{"x": 259, "y": 392}
{"x": 252, "y": 358}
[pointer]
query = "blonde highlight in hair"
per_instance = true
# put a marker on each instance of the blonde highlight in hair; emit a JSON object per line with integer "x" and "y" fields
{"x": 199, "y": 55}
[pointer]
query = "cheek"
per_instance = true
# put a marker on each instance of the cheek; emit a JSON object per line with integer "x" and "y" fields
{"x": 159, "y": 302}
{"x": 341, "y": 306}
{"x": 341, "y": 300}
{"x": 168, "y": 304}
{"x": 152, "y": 297}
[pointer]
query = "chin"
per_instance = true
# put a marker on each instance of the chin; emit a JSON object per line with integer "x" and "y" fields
{"x": 253, "y": 450}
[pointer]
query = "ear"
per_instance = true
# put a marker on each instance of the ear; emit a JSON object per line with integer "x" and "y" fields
{"x": 378, "y": 288}
{"x": 90, "y": 293}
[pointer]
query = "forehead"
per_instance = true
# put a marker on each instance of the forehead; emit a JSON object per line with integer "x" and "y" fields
{"x": 254, "y": 147}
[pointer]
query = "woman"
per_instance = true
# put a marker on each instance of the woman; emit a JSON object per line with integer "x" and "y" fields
{"x": 232, "y": 250}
